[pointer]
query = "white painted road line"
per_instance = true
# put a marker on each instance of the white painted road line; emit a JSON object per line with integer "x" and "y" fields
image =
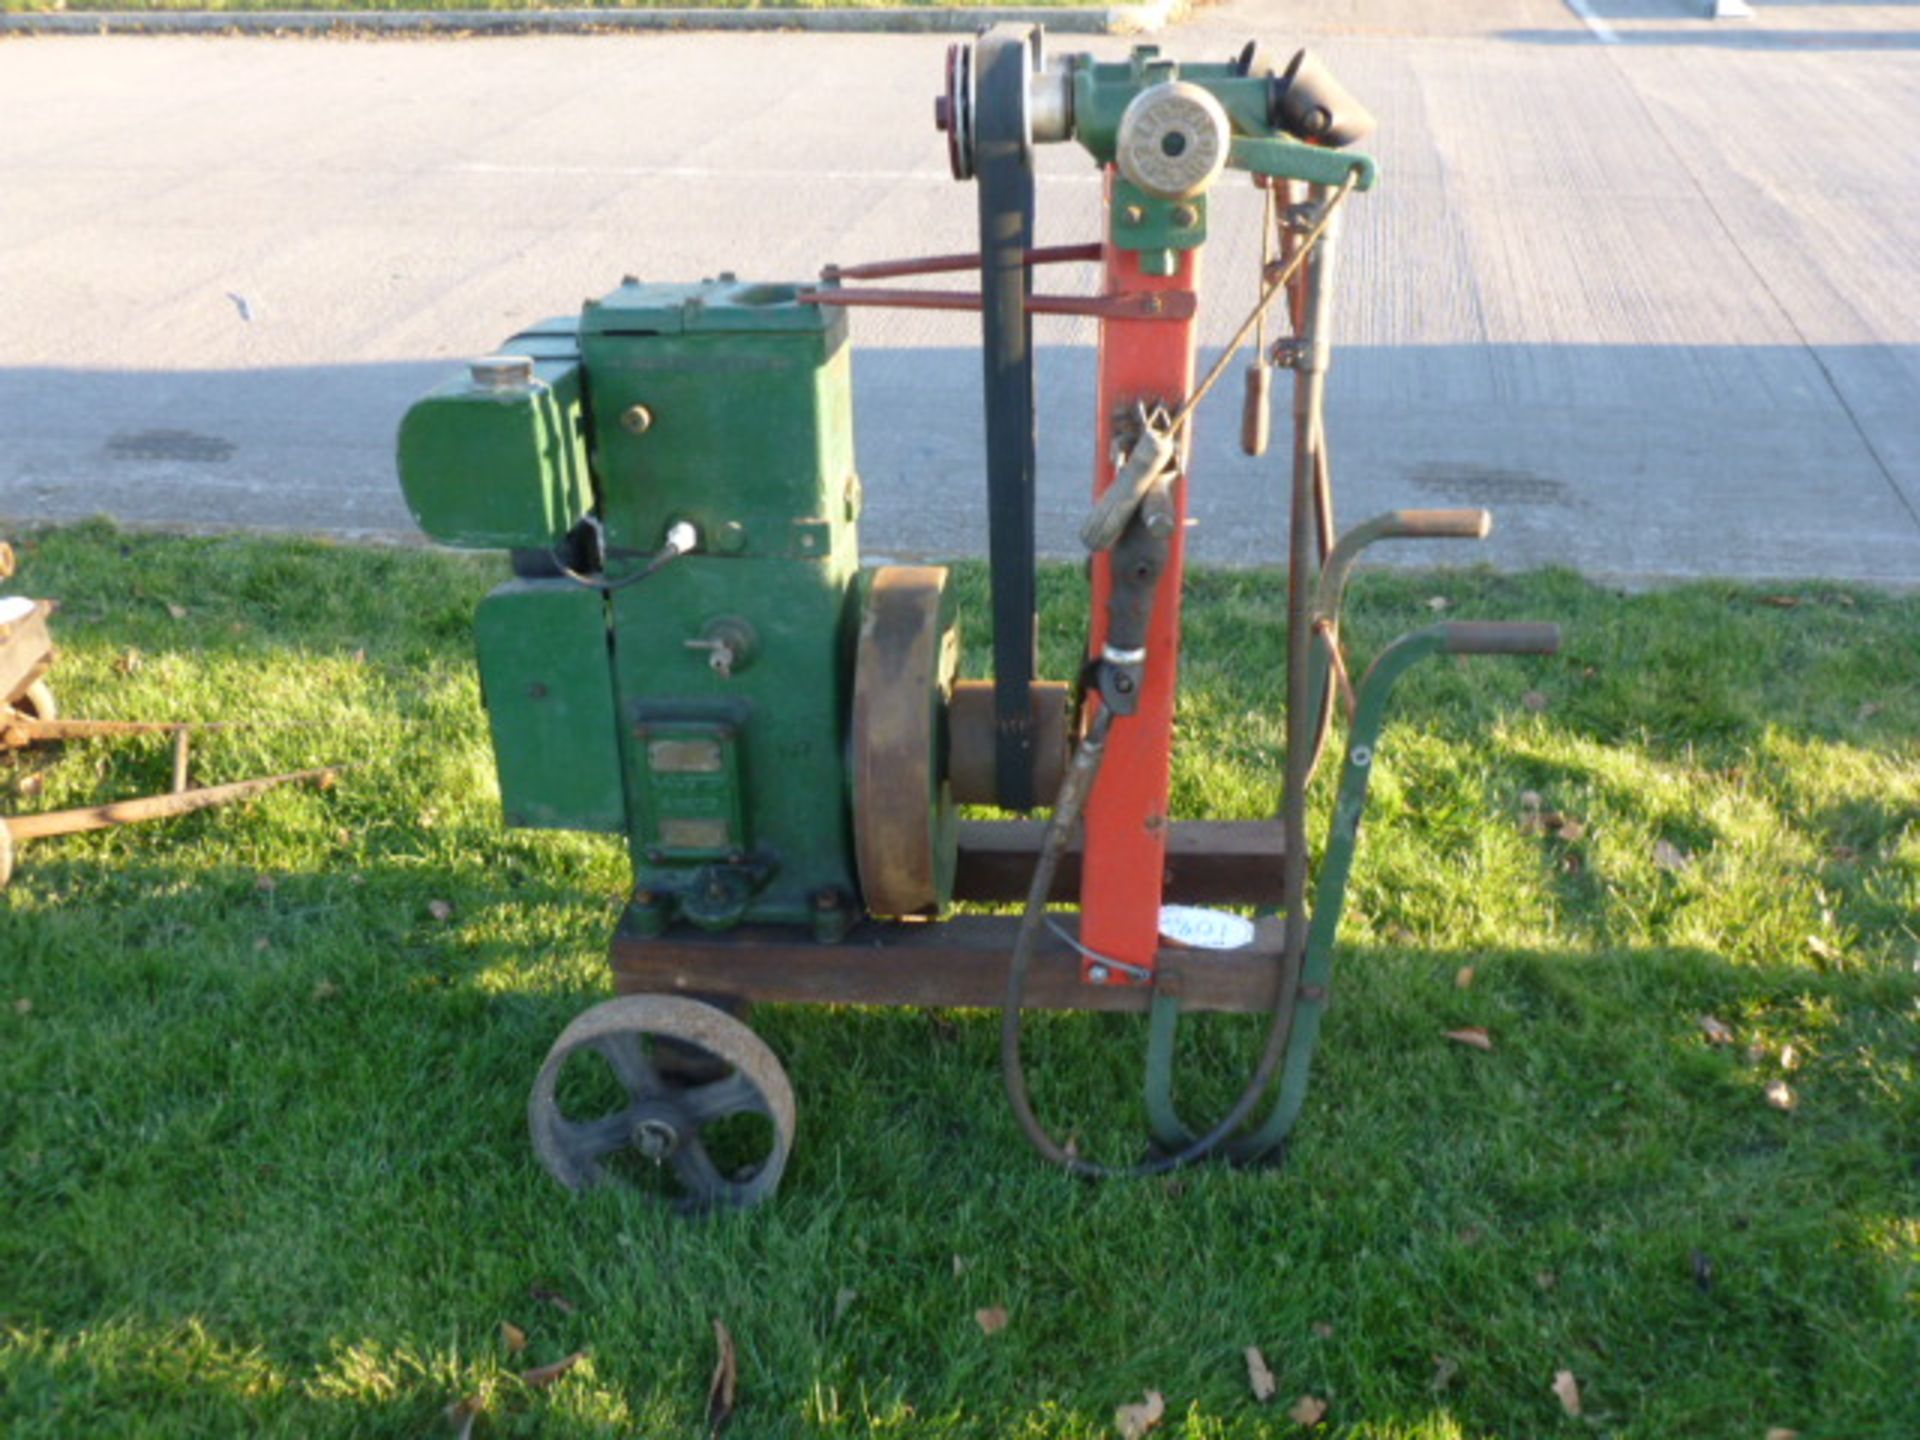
{"x": 1602, "y": 31}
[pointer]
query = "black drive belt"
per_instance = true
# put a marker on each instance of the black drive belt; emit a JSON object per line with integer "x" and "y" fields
{"x": 1003, "y": 167}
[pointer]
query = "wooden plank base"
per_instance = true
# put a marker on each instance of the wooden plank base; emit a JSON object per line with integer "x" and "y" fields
{"x": 1209, "y": 862}
{"x": 956, "y": 962}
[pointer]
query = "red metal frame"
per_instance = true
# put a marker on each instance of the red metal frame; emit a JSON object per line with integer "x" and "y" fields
{"x": 1150, "y": 361}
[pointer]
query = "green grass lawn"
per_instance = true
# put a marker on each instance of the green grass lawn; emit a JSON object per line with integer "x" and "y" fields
{"x": 263, "y": 1164}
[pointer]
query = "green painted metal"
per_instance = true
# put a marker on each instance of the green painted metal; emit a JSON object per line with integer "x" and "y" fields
{"x": 1285, "y": 158}
{"x": 703, "y": 708}
{"x": 549, "y": 694}
{"x": 1102, "y": 92}
{"x": 502, "y": 468}
{"x": 1154, "y": 226}
{"x": 749, "y": 418}
{"x": 784, "y": 707}
{"x": 1343, "y": 839}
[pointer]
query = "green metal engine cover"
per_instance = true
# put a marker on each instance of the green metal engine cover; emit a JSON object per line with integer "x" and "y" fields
{"x": 726, "y": 404}
{"x": 502, "y": 467}
{"x": 703, "y": 708}
{"x": 549, "y": 692}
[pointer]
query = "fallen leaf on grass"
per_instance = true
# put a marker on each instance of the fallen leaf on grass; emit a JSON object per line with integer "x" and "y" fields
{"x": 1781, "y": 602}
{"x": 991, "y": 1320}
{"x": 23, "y": 1006}
{"x": 1702, "y": 1271}
{"x": 1670, "y": 857}
{"x": 1571, "y": 830}
{"x": 1473, "y": 1035}
{"x": 129, "y": 662}
{"x": 1445, "y": 1367}
{"x": 1568, "y": 1390}
{"x": 843, "y": 1302}
{"x": 1868, "y": 709}
{"x": 513, "y": 1337}
{"x": 1780, "y": 1095}
{"x": 178, "y": 612}
{"x": 1134, "y": 1421}
{"x": 1825, "y": 950}
{"x": 325, "y": 990}
{"x": 260, "y": 944}
{"x": 1534, "y": 700}
{"x": 722, "y": 1388}
{"x": 1437, "y": 603}
{"x": 440, "y": 910}
{"x": 1717, "y": 1031}
{"x": 1545, "y": 1279}
{"x": 1259, "y": 1377}
{"x": 1463, "y": 977}
{"x": 265, "y": 883}
{"x": 1780, "y": 1432}
{"x": 462, "y": 1413}
{"x": 1308, "y": 1410}
{"x": 959, "y": 1267}
{"x": 1323, "y": 1329}
{"x": 30, "y": 786}
{"x": 553, "y": 1298}
{"x": 542, "y": 1376}
{"x": 1789, "y": 1058}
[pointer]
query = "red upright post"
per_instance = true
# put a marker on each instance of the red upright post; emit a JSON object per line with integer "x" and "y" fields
{"x": 1151, "y": 362}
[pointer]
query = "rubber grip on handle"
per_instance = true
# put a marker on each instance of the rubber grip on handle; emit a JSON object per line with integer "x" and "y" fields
{"x": 1256, "y": 410}
{"x": 1501, "y": 637}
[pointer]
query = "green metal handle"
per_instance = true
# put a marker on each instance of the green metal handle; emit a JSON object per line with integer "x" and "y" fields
{"x": 1370, "y": 713}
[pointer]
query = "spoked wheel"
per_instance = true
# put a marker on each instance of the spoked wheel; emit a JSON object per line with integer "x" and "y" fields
{"x": 712, "y": 1143}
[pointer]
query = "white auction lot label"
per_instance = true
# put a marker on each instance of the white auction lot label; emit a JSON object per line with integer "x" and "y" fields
{"x": 1205, "y": 929}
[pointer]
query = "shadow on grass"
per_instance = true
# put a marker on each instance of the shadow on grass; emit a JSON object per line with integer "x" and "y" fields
{"x": 264, "y": 1143}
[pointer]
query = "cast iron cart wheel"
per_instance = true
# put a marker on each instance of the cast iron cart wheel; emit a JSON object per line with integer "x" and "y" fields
{"x": 666, "y": 1119}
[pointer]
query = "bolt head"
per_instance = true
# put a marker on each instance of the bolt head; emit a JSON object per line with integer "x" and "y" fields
{"x": 1099, "y": 974}
{"x": 636, "y": 419}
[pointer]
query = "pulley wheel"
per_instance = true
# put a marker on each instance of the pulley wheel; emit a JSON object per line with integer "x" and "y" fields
{"x": 643, "y": 1113}
{"x": 904, "y": 836}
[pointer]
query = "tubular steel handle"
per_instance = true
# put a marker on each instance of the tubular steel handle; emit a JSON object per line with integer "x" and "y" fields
{"x": 1496, "y": 637}
{"x": 1442, "y": 524}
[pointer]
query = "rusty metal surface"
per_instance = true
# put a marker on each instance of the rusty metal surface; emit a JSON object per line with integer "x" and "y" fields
{"x": 901, "y": 816}
{"x": 153, "y": 807}
{"x": 666, "y": 1117}
{"x": 970, "y": 754}
{"x": 1124, "y": 306}
{"x": 957, "y": 962}
{"x": 942, "y": 264}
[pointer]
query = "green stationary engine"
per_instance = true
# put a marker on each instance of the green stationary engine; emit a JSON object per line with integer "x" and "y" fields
{"x": 704, "y": 712}
{"x": 690, "y": 655}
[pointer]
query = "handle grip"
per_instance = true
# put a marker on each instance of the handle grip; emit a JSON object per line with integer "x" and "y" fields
{"x": 1496, "y": 637}
{"x": 1256, "y": 410}
{"x": 1442, "y": 524}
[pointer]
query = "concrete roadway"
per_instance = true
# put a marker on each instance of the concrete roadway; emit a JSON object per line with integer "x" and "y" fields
{"x": 1645, "y": 283}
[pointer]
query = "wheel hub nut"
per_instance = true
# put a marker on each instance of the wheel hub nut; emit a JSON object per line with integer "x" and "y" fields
{"x": 656, "y": 1139}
